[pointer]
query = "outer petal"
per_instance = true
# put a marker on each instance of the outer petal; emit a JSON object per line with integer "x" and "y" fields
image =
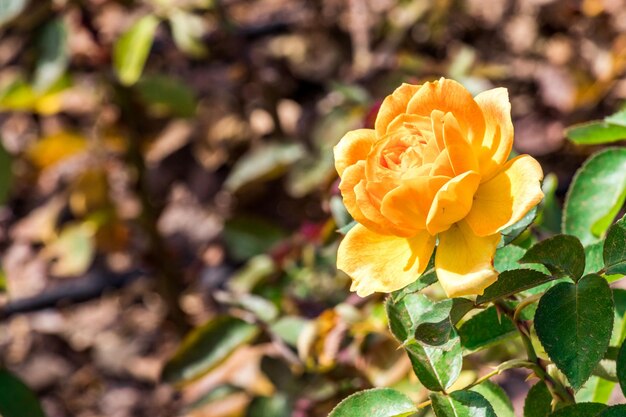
{"x": 507, "y": 197}
{"x": 351, "y": 178}
{"x": 496, "y": 145}
{"x": 464, "y": 261}
{"x": 353, "y": 147}
{"x": 408, "y": 204}
{"x": 394, "y": 105}
{"x": 452, "y": 202}
{"x": 378, "y": 263}
{"x": 450, "y": 96}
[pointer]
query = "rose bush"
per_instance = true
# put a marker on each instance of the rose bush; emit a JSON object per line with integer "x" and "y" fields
{"x": 434, "y": 168}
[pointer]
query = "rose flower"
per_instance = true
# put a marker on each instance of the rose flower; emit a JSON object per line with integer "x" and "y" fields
{"x": 434, "y": 170}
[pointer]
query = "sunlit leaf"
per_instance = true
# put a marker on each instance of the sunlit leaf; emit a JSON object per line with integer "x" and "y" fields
{"x": 614, "y": 251}
{"x": 132, "y": 49}
{"x": 73, "y": 251}
{"x": 461, "y": 404}
{"x": 596, "y": 195}
{"x": 378, "y": 402}
{"x": 188, "y": 30}
{"x": 497, "y": 397}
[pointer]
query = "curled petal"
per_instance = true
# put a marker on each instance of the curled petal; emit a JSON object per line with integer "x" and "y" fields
{"x": 450, "y": 96}
{"x": 379, "y": 263}
{"x": 464, "y": 261}
{"x": 409, "y": 203}
{"x": 507, "y": 197}
{"x": 452, "y": 202}
{"x": 496, "y": 145}
{"x": 353, "y": 147}
{"x": 460, "y": 152}
{"x": 394, "y": 105}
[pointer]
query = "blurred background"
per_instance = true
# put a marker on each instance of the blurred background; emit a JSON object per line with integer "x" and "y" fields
{"x": 167, "y": 162}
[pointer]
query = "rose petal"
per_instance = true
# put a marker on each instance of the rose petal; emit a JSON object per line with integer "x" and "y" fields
{"x": 452, "y": 202}
{"x": 394, "y": 105}
{"x": 496, "y": 145}
{"x": 353, "y": 147}
{"x": 507, "y": 197}
{"x": 378, "y": 263}
{"x": 408, "y": 204}
{"x": 460, "y": 152}
{"x": 464, "y": 261}
{"x": 450, "y": 96}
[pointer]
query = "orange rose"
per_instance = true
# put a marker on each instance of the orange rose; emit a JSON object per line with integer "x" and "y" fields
{"x": 435, "y": 166}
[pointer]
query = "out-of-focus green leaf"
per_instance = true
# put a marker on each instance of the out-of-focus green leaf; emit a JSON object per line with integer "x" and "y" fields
{"x": 255, "y": 270}
{"x": 563, "y": 255}
{"x": 461, "y": 404}
{"x": 562, "y": 323}
{"x": 496, "y": 396}
{"x": 247, "y": 237}
{"x": 6, "y": 174}
{"x": 596, "y": 389}
{"x": 512, "y": 282}
{"x": 53, "y": 55}
{"x": 73, "y": 251}
{"x": 9, "y": 9}
{"x": 3, "y": 281}
{"x": 339, "y": 211}
{"x": 263, "y": 163}
{"x": 594, "y": 133}
{"x": 132, "y": 49}
{"x": 275, "y": 406}
{"x": 485, "y": 329}
{"x": 289, "y": 328}
{"x": 16, "y": 399}
{"x": 377, "y": 402}
{"x": 167, "y": 96}
{"x": 309, "y": 174}
{"x": 206, "y": 347}
{"x": 551, "y": 215}
{"x": 188, "y": 30}
{"x": 614, "y": 251}
{"x": 538, "y": 402}
{"x": 596, "y": 195}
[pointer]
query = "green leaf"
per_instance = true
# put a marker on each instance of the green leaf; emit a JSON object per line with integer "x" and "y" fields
{"x": 563, "y": 255}
{"x": 614, "y": 411}
{"x": 274, "y": 406}
{"x": 496, "y": 396}
{"x": 247, "y": 237}
{"x": 415, "y": 316}
{"x": 437, "y": 367}
{"x": 10, "y": 9}
{"x": 596, "y": 132}
{"x": 428, "y": 278}
{"x": 512, "y": 282}
{"x": 580, "y": 410}
{"x": 551, "y": 215}
{"x": 53, "y": 55}
{"x": 166, "y": 95}
{"x": 596, "y": 389}
{"x": 263, "y": 163}
{"x": 289, "y": 328}
{"x": 563, "y": 321}
{"x": 131, "y": 50}
{"x": 377, "y": 402}
{"x": 593, "y": 257}
{"x": 512, "y": 232}
{"x": 614, "y": 252}
{"x": 461, "y": 404}
{"x": 621, "y": 367}
{"x": 6, "y": 174}
{"x": 187, "y": 31}
{"x": 596, "y": 195}
{"x": 206, "y": 347}
{"x": 485, "y": 329}
{"x": 538, "y": 402}
{"x": 16, "y": 399}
